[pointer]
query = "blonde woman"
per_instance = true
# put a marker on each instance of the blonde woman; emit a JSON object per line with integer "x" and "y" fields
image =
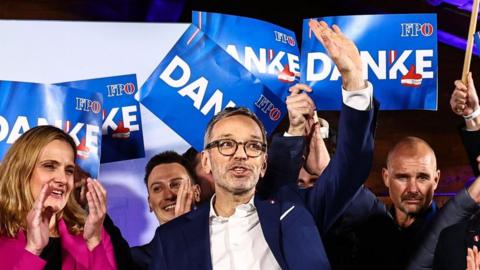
{"x": 41, "y": 224}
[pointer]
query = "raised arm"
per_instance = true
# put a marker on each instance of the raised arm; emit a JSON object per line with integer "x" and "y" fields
{"x": 464, "y": 102}
{"x": 351, "y": 164}
{"x": 458, "y": 209}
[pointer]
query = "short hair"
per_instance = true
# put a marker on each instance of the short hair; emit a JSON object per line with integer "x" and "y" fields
{"x": 191, "y": 156}
{"x": 16, "y": 170}
{"x": 232, "y": 111}
{"x": 166, "y": 158}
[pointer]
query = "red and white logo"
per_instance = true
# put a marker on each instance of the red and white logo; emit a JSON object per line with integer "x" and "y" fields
{"x": 411, "y": 79}
{"x": 83, "y": 152}
{"x": 121, "y": 132}
{"x": 286, "y": 75}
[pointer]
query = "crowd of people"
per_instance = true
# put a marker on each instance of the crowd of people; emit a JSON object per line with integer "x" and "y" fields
{"x": 246, "y": 202}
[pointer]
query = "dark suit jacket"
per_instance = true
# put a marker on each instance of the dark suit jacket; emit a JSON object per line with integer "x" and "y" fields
{"x": 295, "y": 240}
{"x": 142, "y": 255}
{"x": 451, "y": 250}
{"x": 120, "y": 245}
{"x": 471, "y": 143}
{"x": 452, "y": 246}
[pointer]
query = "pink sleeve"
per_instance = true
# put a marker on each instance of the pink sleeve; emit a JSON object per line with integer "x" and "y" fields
{"x": 16, "y": 257}
{"x": 27, "y": 260}
{"x": 102, "y": 256}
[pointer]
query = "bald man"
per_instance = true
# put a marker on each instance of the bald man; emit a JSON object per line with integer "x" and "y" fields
{"x": 373, "y": 238}
{"x": 411, "y": 177}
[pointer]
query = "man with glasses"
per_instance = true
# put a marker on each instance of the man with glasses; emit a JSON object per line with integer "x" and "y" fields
{"x": 277, "y": 228}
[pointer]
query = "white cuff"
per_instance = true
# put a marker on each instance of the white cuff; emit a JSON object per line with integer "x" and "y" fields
{"x": 324, "y": 128}
{"x": 473, "y": 115}
{"x": 359, "y": 99}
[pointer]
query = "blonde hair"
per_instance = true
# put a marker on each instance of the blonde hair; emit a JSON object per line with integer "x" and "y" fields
{"x": 16, "y": 169}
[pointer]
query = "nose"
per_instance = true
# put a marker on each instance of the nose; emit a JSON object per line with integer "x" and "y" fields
{"x": 168, "y": 193}
{"x": 240, "y": 152}
{"x": 60, "y": 178}
{"x": 412, "y": 186}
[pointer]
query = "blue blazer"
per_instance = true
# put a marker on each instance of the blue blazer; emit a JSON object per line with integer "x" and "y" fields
{"x": 292, "y": 219}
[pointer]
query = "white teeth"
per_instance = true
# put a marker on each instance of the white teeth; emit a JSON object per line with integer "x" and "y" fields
{"x": 169, "y": 207}
{"x": 57, "y": 192}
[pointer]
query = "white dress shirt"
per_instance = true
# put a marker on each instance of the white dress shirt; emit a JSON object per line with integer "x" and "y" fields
{"x": 237, "y": 242}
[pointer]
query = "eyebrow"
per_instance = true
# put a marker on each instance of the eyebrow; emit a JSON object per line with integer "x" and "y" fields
{"x": 397, "y": 175}
{"x": 56, "y": 163}
{"x": 423, "y": 174}
{"x": 229, "y": 135}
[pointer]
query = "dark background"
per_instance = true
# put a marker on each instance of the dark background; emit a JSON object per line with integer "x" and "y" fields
{"x": 439, "y": 128}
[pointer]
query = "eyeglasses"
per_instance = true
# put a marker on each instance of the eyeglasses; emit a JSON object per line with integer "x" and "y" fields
{"x": 228, "y": 147}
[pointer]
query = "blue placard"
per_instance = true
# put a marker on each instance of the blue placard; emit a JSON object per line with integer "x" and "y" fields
{"x": 196, "y": 80}
{"x": 399, "y": 54}
{"x": 269, "y": 51}
{"x": 122, "y": 136}
{"x": 25, "y": 105}
{"x": 477, "y": 42}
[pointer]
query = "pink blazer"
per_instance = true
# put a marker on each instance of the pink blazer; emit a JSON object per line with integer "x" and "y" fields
{"x": 75, "y": 254}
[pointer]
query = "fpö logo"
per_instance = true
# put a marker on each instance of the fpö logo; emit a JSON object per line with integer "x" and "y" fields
{"x": 87, "y": 105}
{"x": 284, "y": 38}
{"x": 114, "y": 90}
{"x": 266, "y": 106}
{"x": 416, "y": 29}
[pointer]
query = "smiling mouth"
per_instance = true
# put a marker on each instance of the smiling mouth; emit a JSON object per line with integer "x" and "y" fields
{"x": 58, "y": 194}
{"x": 170, "y": 207}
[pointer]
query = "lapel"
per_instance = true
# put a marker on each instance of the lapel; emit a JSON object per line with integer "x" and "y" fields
{"x": 269, "y": 212}
{"x": 197, "y": 237}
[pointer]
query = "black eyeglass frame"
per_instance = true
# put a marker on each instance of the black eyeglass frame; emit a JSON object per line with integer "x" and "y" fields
{"x": 216, "y": 143}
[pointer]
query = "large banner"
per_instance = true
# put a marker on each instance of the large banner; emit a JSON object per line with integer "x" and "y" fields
{"x": 122, "y": 136}
{"x": 196, "y": 80}
{"x": 399, "y": 54}
{"x": 269, "y": 51}
{"x": 26, "y": 105}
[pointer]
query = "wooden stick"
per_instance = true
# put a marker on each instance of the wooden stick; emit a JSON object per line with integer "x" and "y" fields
{"x": 471, "y": 32}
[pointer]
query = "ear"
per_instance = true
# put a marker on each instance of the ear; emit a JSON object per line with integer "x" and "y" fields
{"x": 436, "y": 179}
{"x": 264, "y": 165}
{"x": 206, "y": 162}
{"x": 196, "y": 192}
{"x": 150, "y": 205}
{"x": 385, "y": 176}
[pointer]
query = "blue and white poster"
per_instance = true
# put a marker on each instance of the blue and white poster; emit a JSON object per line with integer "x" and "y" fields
{"x": 399, "y": 54}
{"x": 196, "y": 80}
{"x": 122, "y": 136}
{"x": 25, "y": 105}
{"x": 267, "y": 50}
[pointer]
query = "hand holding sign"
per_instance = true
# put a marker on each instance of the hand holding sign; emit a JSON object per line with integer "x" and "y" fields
{"x": 464, "y": 99}
{"x": 471, "y": 32}
{"x": 343, "y": 52}
{"x": 301, "y": 108}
